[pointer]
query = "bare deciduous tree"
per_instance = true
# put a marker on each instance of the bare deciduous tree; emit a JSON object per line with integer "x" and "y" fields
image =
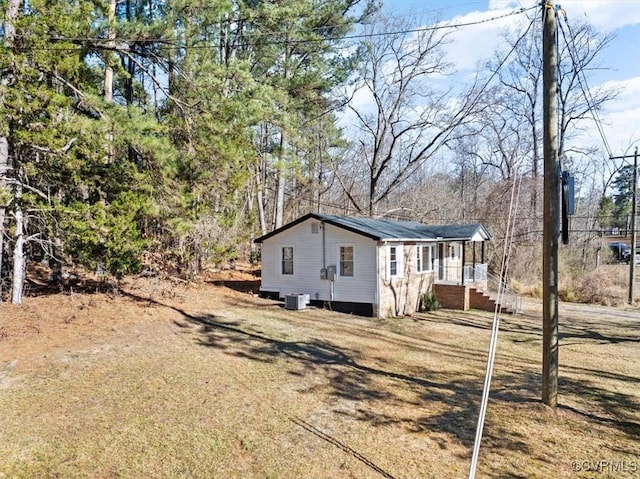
{"x": 408, "y": 118}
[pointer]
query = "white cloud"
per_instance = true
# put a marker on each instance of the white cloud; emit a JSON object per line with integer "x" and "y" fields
{"x": 503, "y": 4}
{"x": 603, "y": 15}
{"x": 475, "y": 44}
{"x": 621, "y": 117}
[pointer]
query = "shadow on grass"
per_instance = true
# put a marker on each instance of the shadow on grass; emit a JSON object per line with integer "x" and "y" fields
{"x": 572, "y": 329}
{"x": 243, "y": 286}
{"x": 452, "y": 403}
{"x": 351, "y": 379}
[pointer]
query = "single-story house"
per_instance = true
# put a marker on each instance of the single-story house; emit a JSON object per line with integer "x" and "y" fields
{"x": 370, "y": 267}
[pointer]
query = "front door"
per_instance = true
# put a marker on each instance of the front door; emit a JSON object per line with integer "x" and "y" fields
{"x": 440, "y": 261}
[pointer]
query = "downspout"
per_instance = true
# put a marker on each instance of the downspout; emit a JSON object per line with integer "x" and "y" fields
{"x": 378, "y": 279}
{"x": 324, "y": 253}
{"x": 324, "y": 260}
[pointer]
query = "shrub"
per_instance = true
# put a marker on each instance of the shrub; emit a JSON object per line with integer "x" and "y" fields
{"x": 429, "y": 302}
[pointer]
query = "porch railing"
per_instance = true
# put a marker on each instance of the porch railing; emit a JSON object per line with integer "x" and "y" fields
{"x": 473, "y": 273}
{"x": 495, "y": 287}
{"x": 454, "y": 274}
{"x": 479, "y": 277}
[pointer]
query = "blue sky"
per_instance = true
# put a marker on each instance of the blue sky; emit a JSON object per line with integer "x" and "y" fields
{"x": 473, "y": 45}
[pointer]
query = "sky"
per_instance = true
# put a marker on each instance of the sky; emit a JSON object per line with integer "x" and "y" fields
{"x": 472, "y": 45}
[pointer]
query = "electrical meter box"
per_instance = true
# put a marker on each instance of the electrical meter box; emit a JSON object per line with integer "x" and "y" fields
{"x": 328, "y": 273}
{"x": 331, "y": 273}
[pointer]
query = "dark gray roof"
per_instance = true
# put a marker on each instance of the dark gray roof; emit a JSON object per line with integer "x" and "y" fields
{"x": 383, "y": 229}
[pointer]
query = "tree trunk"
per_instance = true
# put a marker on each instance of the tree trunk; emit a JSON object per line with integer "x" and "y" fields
{"x": 108, "y": 70}
{"x": 4, "y": 168}
{"x": 131, "y": 67}
{"x": 279, "y": 204}
{"x": 13, "y": 7}
{"x": 260, "y": 201}
{"x": 18, "y": 257}
{"x": 55, "y": 262}
{"x": 261, "y": 179}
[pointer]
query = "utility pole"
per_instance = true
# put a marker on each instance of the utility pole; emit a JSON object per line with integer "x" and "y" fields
{"x": 551, "y": 225}
{"x": 634, "y": 213}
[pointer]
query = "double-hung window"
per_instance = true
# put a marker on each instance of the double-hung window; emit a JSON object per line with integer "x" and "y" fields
{"x": 395, "y": 260}
{"x": 346, "y": 260}
{"x": 287, "y": 260}
{"x": 424, "y": 260}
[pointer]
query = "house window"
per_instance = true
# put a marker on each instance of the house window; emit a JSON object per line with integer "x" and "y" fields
{"x": 454, "y": 250}
{"x": 346, "y": 261}
{"x": 395, "y": 261}
{"x": 287, "y": 260}
{"x": 424, "y": 258}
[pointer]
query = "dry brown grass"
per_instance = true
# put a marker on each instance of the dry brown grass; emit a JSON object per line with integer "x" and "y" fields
{"x": 195, "y": 381}
{"x": 608, "y": 285}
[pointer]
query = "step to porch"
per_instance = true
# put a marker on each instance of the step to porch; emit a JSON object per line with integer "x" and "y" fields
{"x": 466, "y": 297}
{"x": 480, "y": 300}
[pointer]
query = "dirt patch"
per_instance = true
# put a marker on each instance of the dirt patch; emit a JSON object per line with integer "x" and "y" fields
{"x": 91, "y": 309}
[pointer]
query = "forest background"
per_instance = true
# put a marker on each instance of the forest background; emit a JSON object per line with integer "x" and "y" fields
{"x": 161, "y": 136}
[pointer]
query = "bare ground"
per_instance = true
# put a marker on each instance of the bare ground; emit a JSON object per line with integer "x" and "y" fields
{"x": 168, "y": 379}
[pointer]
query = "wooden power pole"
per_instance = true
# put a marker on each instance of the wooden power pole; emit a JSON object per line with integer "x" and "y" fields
{"x": 634, "y": 225}
{"x": 634, "y": 213}
{"x": 551, "y": 225}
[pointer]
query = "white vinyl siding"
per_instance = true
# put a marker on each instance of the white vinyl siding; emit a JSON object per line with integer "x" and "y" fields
{"x": 346, "y": 261}
{"x": 313, "y": 252}
{"x": 425, "y": 258}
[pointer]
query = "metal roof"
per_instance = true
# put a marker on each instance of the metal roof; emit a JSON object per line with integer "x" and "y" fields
{"x": 390, "y": 230}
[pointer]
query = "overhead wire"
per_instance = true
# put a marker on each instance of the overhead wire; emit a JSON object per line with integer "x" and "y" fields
{"x": 258, "y": 35}
{"x": 478, "y": 95}
{"x": 582, "y": 81}
{"x": 504, "y": 268}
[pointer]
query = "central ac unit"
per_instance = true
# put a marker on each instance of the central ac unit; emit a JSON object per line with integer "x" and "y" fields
{"x": 295, "y": 301}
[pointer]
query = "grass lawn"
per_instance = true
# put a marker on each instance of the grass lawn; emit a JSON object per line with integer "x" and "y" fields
{"x": 198, "y": 381}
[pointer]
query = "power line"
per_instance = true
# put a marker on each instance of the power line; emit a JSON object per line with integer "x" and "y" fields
{"x": 582, "y": 82}
{"x": 479, "y": 94}
{"x": 255, "y": 35}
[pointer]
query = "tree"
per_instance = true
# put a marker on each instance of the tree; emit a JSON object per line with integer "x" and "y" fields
{"x": 7, "y": 75}
{"x": 615, "y": 210}
{"x": 70, "y": 149}
{"x": 411, "y": 119}
{"x": 134, "y": 126}
{"x": 300, "y": 62}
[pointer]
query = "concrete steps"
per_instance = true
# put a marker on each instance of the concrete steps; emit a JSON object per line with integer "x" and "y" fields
{"x": 454, "y": 296}
{"x": 484, "y": 302}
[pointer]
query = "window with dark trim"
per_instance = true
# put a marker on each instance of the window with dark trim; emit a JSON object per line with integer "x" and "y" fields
{"x": 287, "y": 260}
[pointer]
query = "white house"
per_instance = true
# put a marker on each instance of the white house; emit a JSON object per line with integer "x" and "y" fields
{"x": 370, "y": 267}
